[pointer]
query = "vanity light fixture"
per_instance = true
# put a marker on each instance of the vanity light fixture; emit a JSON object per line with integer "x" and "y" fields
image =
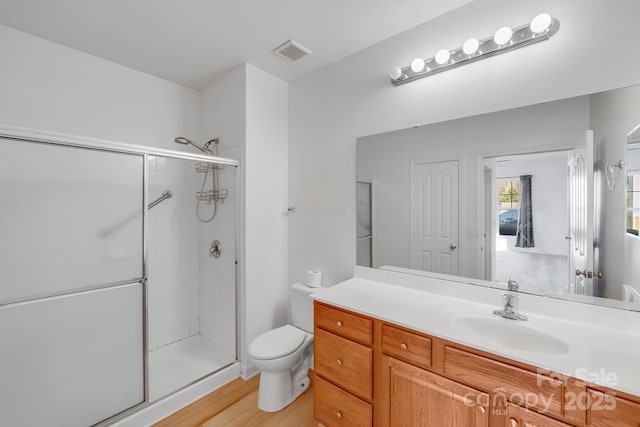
{"x": 505, "y": 39}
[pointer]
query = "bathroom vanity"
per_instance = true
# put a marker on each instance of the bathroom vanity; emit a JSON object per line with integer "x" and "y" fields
{"x": 398, "y": 350}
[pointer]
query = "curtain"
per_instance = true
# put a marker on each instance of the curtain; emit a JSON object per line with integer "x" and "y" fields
{"x": 524, "y": 234}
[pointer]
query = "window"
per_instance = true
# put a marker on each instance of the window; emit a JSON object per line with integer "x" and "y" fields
{"x": 508, "y": 206}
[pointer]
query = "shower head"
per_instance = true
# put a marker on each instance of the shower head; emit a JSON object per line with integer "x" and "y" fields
{"x": 186, "y": 141}
{"x": 182, "y": 140}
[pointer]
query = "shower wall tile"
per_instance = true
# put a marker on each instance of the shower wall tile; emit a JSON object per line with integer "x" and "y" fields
{"x": 173, "y": 253}
{"x": 194, "y": 327}
{"x": 217, "y": 275}
{"x": 181, "y": 331}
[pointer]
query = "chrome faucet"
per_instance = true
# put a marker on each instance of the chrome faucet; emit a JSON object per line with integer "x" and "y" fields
{"x": 509, "y": 312}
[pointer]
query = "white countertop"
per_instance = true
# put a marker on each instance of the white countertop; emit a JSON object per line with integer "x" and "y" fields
{"x": 604, "y": 343}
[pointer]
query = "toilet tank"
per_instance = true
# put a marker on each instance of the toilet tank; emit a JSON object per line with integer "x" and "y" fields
{"x": 301, "y": 306}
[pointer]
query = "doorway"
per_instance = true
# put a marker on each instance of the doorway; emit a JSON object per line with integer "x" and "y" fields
{"x": 528, "y": 201}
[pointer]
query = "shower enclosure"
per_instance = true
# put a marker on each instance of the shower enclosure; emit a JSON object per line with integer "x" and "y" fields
{"x": 113, "y": 293}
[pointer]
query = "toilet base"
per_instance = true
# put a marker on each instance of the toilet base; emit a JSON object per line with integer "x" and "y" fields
{"x": 277, "y": 390}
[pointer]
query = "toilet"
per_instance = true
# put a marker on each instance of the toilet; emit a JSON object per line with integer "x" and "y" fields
{"x": 283, "y": 355}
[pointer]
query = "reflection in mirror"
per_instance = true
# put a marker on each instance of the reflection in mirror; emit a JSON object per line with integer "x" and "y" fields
{"x": 529, "y": 206}
{"x": 454, "y": 199}
{"x": 631, "y": 290}
{"x": 363, "y": 225}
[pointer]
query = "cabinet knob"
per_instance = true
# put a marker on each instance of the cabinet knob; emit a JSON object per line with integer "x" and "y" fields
{"x": 513, "y": 422}
{"x": 338, "y": 414}
{"x": 403, "y": 346}
{"x": 339, "y": 324}
{"x": 481, "y": 409}
{"x": 339, "y": 362}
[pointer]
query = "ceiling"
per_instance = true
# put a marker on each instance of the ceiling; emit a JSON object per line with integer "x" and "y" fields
{"x": 192, "y": 41}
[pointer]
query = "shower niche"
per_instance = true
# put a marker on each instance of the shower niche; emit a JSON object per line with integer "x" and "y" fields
{"x": 109, "y": 298}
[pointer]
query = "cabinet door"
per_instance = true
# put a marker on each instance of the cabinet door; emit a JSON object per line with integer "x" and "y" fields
{"x": 521, "y": 417}
{"x": 411, "y": 396}
{"x": 606, "y": 410}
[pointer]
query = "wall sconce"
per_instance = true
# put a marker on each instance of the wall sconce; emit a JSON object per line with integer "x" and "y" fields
{"x": 505, "y": 39}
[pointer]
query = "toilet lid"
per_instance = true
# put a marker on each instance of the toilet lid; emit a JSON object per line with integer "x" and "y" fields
{"x": 277, "y": 343}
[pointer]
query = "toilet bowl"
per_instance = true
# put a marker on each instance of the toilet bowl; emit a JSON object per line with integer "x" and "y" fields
{"x": 283, "y": 355}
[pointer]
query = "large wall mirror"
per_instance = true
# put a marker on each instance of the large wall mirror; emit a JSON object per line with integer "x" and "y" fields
{"x": 546, "y": 194}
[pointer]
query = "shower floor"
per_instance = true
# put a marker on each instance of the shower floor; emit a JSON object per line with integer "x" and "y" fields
{"x": 179, "y": 364}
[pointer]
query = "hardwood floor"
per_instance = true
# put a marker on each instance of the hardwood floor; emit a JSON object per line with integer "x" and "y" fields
{"x": 236, "y": 404}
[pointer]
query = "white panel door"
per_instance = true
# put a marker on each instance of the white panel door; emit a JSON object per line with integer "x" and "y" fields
{"x": 581, "y": 218}
{"x": 434, "y": 217}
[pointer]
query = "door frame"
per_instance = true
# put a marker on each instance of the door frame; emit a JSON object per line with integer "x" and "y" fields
{"x": 480, "y": 198}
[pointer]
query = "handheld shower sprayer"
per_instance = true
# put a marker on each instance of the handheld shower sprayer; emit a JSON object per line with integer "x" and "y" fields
{"x": 205, "y": 149}
{"x": 214, "y": 195}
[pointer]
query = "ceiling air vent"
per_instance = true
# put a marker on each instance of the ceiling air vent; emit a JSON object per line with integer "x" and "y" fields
{"x": 291, "y": 51}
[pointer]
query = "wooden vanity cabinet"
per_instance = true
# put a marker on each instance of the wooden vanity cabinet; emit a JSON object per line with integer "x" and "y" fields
{"x": 373, "y": 373}
{"x": 412, "y": 396}
{"x": 607, "y": 410}
{"x": 522, "y": 417}
{"x": 344, "y": 367}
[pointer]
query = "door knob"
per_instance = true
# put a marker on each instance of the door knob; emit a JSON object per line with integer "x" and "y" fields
{"x": 589, "y": 274}
{"x": 453, "y": 246}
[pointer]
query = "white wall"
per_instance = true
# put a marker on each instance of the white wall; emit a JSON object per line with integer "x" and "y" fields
{"x": 386, "y": 159}
{"x": 329, "y": 109}
{"x": 223, "y": 116}
{"x": 248, "y": 109}
{"x": 549, "y": 197}
{"x": 266, "y": 175}
{"x": 51, "y": 87}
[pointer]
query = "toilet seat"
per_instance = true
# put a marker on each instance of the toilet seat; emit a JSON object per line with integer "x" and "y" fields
{"x": 277, "y": 343}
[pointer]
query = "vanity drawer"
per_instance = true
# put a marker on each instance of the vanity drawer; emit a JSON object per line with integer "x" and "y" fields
{"x": 347, "y": 325}
{"x": 407, "y": 346}
{"x": 335, "y": 407}
{"x": 609, "y": 410}
{"x": 539, "y": 392}
{"x": 521, "y": 417}
{"x": 344, "y": 363}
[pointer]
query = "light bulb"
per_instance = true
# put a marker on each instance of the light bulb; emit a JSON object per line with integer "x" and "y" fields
{"x": 470, "y": 46}
{"x": 540, "y": 23}
{"x": 395, "y": 73}
{"x": 503, "y": 35}
{"x": 442, "y": 57}
{"x": 417, "y": 65}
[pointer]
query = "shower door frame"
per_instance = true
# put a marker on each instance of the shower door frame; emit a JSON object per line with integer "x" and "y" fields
{"x": 19, "y": 134}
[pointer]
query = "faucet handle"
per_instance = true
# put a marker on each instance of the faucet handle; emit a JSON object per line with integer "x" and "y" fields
{"x": 512, "y": 285}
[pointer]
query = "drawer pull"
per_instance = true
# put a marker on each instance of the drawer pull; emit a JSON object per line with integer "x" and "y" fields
{"x": 403, "y": 346}
{"x": 339, "y": 362}
{"x": 339, "y": 324}
{"x": 338, "y": 414}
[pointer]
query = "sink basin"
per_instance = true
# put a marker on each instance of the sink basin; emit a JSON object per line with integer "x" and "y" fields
{"x": 513, "y": 334}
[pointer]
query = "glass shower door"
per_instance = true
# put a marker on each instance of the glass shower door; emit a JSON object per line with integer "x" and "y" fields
{"x": 71, "y": 284}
